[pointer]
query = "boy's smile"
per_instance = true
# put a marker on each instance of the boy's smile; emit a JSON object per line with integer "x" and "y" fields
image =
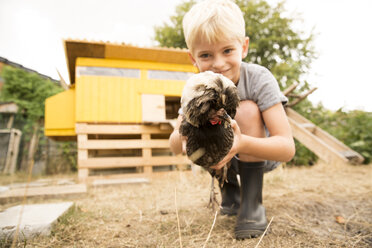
{"x": 222, "y": 57}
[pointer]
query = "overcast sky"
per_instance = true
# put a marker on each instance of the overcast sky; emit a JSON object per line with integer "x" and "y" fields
{"x": 31, "y": 34}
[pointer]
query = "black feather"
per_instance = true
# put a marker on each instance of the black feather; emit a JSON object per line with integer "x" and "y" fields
{"x": 214, "y": 140}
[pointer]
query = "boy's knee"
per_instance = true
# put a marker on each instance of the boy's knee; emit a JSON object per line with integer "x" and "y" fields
{"x": 249, "y": 118}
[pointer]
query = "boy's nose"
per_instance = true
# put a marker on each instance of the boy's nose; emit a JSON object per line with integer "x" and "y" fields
{"x": 218, "y": 64}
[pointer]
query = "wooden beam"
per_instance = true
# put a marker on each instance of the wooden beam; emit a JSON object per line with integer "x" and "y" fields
{"x": 119, "y": 129}
{"x": 122, "y": 162}
{"x": 123, "y": 144}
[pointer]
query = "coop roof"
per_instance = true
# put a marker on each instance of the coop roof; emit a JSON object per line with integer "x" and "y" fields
{"x": 88, "y": 49}
{"x": 19, "y": 66}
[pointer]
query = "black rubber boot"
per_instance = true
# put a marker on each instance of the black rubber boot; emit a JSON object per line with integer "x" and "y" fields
{"x": 251, "y": 220}
{"x": 230, "y": 191}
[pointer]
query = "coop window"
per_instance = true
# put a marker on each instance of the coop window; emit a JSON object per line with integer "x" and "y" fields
{"x": 169, "y": 75}
{"x": 107, "y": 71}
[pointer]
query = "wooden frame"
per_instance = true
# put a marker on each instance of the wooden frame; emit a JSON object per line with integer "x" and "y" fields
{"x": 145, "y": 143}
{"x": 13, "y": 149}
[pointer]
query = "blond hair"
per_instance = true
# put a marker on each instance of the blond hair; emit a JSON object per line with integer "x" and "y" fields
{"x": 213, "y": 21}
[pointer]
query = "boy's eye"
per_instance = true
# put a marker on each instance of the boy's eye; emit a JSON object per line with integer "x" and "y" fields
{"x": 204, "y": 55}
{"x": 229, "y": 50}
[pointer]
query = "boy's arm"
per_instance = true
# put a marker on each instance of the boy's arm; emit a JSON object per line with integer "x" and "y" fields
{"x": 176, "y": 139}
{"x": 278, "y": 147}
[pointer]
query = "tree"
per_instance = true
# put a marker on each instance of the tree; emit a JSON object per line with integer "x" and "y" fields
{"x": 28, "y": 91}
{"x": 274, "y": 43}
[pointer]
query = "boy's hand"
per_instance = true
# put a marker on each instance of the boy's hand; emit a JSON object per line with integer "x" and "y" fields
{"x": 234, "y": 149}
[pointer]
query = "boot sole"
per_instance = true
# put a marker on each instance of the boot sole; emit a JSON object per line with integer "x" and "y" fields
{"x": 245, "y": 232}
{"x": 248, "y": 234}
{"x": 228, "y": 211}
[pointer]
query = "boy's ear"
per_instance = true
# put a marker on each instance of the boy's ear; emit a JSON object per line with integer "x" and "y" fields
{"x": 245, "y": 47}
{"x": 192, "y": 59}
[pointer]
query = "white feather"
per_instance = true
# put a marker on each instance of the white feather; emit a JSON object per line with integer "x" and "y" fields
{"x": 204, "y": 78}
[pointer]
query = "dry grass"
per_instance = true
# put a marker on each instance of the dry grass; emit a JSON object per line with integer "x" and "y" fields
{"x": 304, "y": 201}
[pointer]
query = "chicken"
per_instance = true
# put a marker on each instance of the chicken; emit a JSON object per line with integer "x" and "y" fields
{"x": 209, "y": 101}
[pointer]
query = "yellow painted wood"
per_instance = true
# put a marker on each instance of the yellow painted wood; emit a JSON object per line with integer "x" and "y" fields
{"x": 60, "y": 132}
{"x": 60, "y": 114}
{"x": 103, "y": 99}
{"x": 135, "y": 64}
{"x": 111, "y": 99}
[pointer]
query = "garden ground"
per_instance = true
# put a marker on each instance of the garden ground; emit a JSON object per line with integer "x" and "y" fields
{"x": 318, "y": 206}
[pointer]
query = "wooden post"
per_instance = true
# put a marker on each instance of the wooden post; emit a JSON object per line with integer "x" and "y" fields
{"x": 9, "y": 153}
{"x": 146, "y": 153}
{"x": 10, "y": 121}
{"x": 83, "y": 173}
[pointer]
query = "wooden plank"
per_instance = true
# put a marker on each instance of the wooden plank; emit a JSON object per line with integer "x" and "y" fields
{"x": 153, "y": 108}
{"x": 316, "y": 145}
{"x": 123, "y": 144}
{"x": 296, "y": 116}
{"x": 119, "y": 129}
{"x": 309, "y": 126}
{"x": 122, "y": 162}
{"x": 91, "y": 178}
{"x": 338, "y": 145}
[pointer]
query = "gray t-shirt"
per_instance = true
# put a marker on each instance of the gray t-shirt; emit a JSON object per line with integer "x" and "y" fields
{"x": 257, "y": 84}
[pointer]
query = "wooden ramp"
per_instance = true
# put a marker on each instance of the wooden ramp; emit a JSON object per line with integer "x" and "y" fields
{"x": 324, "y": 145}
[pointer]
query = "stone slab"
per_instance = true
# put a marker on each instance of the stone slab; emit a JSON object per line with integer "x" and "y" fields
{"x": 102, "y": 182}
{"x": 49, "y": 191}
{"x": 37, "y": 219}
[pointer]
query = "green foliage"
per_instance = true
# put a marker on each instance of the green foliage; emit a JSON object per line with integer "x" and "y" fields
{"x": 28, "y": 91}
{"x": 274, "y": 43}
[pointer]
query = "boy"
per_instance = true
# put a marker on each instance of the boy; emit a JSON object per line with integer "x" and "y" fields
{"x": 215, "y": 35}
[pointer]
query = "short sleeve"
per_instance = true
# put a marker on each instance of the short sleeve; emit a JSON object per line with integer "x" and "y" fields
{"x": 265, "y": 89}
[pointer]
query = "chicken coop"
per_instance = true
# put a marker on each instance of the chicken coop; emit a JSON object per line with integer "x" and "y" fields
{"x": 120, "y": 107}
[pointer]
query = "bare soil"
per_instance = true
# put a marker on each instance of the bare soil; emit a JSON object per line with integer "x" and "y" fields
{"x": 317, "y": 206}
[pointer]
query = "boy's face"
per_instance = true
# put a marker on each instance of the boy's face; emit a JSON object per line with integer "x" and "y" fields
{"x": 222, "y": 57}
